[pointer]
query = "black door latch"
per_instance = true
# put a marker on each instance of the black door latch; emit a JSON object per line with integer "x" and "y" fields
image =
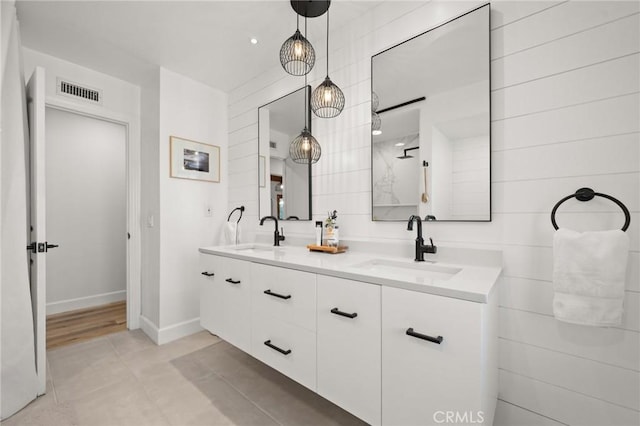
{"x": 40, "y": 247}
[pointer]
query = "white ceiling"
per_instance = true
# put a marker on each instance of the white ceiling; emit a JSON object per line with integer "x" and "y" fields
{"x": 208, "y": 41}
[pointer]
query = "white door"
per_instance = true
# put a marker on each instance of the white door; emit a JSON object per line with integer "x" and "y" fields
{"x": 38, "y": 237}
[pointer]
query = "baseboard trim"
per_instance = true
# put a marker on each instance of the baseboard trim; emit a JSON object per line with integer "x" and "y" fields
{"x": 177, "y": 331}
{"x": 85, "y": 302}
{"x": 160, "y": 336}
{"x": 149, "y": 328}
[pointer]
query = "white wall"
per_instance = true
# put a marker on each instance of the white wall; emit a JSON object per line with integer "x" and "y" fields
{"x": 86, "y": 211}
{"x": 441, "y": 175}
{"x": 564, "y": 115}
{"x": 150, "y": 202}
{"x": 471, "y": 177}
{"x": 190, "y": 110}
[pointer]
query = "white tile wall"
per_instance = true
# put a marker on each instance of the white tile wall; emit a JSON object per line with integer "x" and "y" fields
{"x": 565, "y": 99}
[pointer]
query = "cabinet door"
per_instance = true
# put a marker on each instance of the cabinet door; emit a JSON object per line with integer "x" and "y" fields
{"x": 349, "y": 346}
{"x": 211, "y": 317}
{"x": 285, "y": 294}
{"x": 422, "y": 380}
{"x": 236, "y": 302}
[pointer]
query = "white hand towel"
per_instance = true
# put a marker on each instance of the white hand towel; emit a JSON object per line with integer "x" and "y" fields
{"x": 589, "y": 276}
{"x": 231, "y": 233}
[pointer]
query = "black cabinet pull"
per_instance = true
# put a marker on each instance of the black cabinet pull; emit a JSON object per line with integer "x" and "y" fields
{"x": 343, "y": 314}
{"x": 208, "y": 274}
{"x": 232, "y": 281}
{"x": 412, "y": 333}
{"x": 280, "y": 296}
{"x": 272, "y": 346}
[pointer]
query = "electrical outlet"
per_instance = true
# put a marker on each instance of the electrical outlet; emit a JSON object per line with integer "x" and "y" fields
{"x": 150, "y": 221}
{"x": 208, "y": 211}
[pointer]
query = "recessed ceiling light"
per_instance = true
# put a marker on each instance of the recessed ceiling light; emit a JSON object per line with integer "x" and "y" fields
{"x": 254, "y": 40}
{"x": 400, "y": 144}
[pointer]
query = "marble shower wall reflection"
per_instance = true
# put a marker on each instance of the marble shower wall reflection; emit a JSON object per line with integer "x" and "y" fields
{"x": 395, "y": 180}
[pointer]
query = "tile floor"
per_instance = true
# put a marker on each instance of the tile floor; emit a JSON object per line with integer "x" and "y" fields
{"x": 125, "y": 379}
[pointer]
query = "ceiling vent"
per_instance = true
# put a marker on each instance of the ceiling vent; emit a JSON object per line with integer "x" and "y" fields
{"x": 77, "y": 91}
{"x": 273, "y": 145}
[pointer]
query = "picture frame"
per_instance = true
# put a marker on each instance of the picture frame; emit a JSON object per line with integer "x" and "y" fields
{"x": 262, "y": 177}
{"x": 194, "y": 160}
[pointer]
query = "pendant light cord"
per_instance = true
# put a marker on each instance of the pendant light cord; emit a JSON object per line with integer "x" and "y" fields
{"x": 306, "y": 103}
{"x": 328, "y": 41}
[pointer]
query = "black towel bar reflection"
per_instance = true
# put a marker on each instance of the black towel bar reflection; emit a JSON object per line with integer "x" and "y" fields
{"x": 587, "y": 194}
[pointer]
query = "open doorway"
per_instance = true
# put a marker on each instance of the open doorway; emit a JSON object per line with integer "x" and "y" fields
{"x": 86, "y": 216}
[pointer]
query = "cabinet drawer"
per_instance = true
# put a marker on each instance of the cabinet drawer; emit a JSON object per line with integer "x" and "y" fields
{"x": 433, "y": 376}
{"x": 292, "y": 350}
{"x": 284, "y": 294}
{"x": 349, "y": 346}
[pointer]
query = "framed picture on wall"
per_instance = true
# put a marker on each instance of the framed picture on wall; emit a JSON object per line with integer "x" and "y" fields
{"x": 194, "y": 160}
{"x": 261, "y": 171}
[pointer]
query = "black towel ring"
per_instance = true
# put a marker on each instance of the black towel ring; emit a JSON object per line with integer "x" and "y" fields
{"x": 586, "y": 194}
{"x": 241, "y": 209}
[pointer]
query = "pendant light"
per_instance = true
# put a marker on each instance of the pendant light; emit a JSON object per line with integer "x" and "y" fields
{"x": 376, "y": 124}
{"x": 296, "y": 54}
{"x": 305, "y": 149}
{"x": 327, "y": 100}
{"x": 376, "y": 121}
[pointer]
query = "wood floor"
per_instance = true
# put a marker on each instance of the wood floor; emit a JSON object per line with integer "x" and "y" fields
{"x": 75, "y": 326}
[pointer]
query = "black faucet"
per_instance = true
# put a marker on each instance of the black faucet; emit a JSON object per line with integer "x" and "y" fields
{"x": 421, "y": 249}
{"x": 277, "y": 236}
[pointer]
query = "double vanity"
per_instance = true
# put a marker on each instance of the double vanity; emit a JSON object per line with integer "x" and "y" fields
{"x": 390, "y": 340}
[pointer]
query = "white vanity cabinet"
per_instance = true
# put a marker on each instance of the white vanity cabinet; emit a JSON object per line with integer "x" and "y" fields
{"x": 349, "y": 346}
{"x": 225, "y": 308}
{"x": 438, "y": 357}
{"x": 387, "y": 351}
{"x": 283, "y": 318}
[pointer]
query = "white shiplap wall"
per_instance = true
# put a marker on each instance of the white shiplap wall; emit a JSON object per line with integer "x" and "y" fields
{"x": 565, "y": 114}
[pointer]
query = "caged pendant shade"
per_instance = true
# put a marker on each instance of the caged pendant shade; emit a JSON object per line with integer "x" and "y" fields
{"x": 297, "y": 55}
{"x": 305, "y": 149}
{"x": 327, "y": 100}
{"x": 375, "y": 101}
{"x": 376, "y": 124}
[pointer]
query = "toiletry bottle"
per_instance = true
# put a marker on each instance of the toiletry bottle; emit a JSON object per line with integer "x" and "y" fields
{"x": 319, "y": 233}
{"x": 336, "y": 236}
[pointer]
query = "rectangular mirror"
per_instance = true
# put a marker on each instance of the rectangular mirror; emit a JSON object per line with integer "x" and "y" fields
{"x": 431, "y": 141}
{"x": 284, "y": 186}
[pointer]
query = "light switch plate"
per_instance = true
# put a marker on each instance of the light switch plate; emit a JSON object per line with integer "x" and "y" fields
{"x": 208, "y": 211}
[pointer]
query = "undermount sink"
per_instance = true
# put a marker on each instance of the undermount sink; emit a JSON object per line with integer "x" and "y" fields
{"x": 254, "y": 248}
{"x": 419, "y": 271}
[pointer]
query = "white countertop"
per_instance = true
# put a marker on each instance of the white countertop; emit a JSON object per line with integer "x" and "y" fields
{"x": 468, "y": 282}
